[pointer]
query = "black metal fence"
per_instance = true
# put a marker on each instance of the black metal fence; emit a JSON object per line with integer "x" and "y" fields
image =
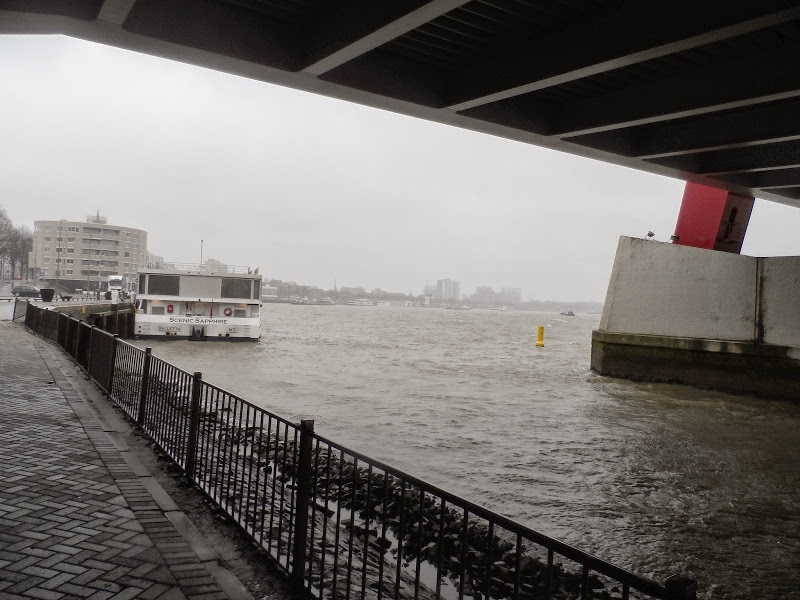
{"x": 339, "y": 523}
{"x": 20, "y": 307}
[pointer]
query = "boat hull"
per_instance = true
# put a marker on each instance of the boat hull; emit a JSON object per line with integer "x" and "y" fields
{"x": 197, "y": 327}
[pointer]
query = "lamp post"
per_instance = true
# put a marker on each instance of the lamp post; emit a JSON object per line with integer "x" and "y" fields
{"x": 88, "y": 265}
{"x": 59, "y": 241}
{"x": 99, "y": 278}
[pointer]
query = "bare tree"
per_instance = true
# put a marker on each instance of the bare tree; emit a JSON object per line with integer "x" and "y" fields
{"x": 21, "y": 245}
{"x": 6, "y": 229}
{"x": 15, "y": 244}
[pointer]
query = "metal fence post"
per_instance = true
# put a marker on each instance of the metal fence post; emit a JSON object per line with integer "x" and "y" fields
{"x": 80, "y": 345}
{"x": 89, "y": 350}
{"x": 304, "y": 474}
{"x": 194, "y": 425}
{"x": 58, "y": 330}
{"x": 143, "y": 387}
{"x": 111, "y": 367}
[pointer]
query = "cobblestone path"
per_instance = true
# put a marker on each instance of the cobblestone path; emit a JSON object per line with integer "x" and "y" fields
{"x": 75, "y": 520}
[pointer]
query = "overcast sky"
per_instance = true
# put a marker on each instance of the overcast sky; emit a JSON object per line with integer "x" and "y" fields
{"x": 313, "y": 189}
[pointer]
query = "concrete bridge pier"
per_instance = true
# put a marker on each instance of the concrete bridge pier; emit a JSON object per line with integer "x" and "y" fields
{"x": 713, "y": 319}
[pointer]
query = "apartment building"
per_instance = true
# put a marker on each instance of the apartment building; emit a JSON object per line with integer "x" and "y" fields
{"x": 447, "y": 289}
{"x": 81, "y": 255}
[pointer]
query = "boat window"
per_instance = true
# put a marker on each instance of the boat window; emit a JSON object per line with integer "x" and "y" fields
{"x": 256, "y": 289}
{"x": 239, "y": 313}
{"x": 157, "y": 310}
{"x": 164, "y": 285}
{"x": 142, "y": 283}
{"x": 236, "y": 288}
{"x": 193, "y": 286}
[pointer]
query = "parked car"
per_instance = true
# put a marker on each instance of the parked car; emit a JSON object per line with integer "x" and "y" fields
{"x": 29, "y": 291}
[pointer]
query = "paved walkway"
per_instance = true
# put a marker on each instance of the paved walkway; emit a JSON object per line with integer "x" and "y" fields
{"x": 80, "y": 516}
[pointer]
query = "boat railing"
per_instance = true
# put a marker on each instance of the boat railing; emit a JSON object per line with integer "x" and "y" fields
{"x": 205, "y": 268}
{"x": 338, "y": 523}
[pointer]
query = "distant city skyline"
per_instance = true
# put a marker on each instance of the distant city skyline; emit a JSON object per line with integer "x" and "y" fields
{"x": 277, "y": 290}
{"x": 445, "y": 288}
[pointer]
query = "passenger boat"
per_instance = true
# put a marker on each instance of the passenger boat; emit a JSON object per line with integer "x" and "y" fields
{"x": 198, "y": 302}
{"x": 313, "y": 302}
{"x": 360, "y": 302}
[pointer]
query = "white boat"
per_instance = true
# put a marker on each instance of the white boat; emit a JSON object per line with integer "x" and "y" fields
{"x": 199, "y": 303}
{"x": 360, "y": 302}
{"x": 312, "y": 302}
{"x": 383, "y": 303}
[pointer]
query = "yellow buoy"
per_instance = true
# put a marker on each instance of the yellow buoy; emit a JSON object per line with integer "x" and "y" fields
{"x": 540, "y": 337}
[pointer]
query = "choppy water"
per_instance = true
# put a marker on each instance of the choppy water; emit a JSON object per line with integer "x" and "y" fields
{"x": 656, "y": 478}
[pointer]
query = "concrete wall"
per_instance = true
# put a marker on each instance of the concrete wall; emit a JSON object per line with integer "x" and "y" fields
{"x": 670, "y": 290}
{"x": 679, "y": 291}
{"x": 702, "y": 317}
{"x": 780, "y": 300}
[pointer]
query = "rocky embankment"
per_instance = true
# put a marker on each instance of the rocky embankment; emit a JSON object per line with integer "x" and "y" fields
{"x": 411, "y": 541}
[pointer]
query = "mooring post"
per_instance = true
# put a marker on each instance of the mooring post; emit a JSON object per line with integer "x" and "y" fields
{"x": 143, "y": 387}
{"x": 194, "y": 425}
{"x": 304, "y": 474}
{"x": 680, "y": 587}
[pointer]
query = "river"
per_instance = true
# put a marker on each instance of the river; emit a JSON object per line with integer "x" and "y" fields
{"x": 657, "y": 478}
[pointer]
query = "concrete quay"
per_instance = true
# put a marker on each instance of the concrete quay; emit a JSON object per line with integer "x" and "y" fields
{"x": 81, "y": 516}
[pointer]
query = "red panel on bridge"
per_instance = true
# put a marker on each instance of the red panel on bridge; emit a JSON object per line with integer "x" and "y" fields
{"x": 712, "y": 218}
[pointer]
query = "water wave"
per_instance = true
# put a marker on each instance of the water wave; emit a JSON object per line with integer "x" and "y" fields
{"x": 658, "y": 478}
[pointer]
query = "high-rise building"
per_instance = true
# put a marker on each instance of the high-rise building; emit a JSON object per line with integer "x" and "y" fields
{"x": 447, "y": 289}
{"x": 511, "y": 295}
{"x": 82, "y": 255}
{"x": 154, "y": 261}
{"x": 483, "y": 295}
{"x": 487, "y": 296}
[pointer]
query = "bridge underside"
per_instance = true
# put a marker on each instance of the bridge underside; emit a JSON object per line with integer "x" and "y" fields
{"x": 704, "y": 91}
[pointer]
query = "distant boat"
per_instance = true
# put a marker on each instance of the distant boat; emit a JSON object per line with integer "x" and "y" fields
{"x": 567, "y": 313}
{"x": 360, "y": 302}
{"x": 314, "y": 302}
{"x": 384, "y": 303}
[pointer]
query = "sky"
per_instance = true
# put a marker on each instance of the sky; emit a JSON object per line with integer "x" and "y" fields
{"x": 312, "y": 189}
